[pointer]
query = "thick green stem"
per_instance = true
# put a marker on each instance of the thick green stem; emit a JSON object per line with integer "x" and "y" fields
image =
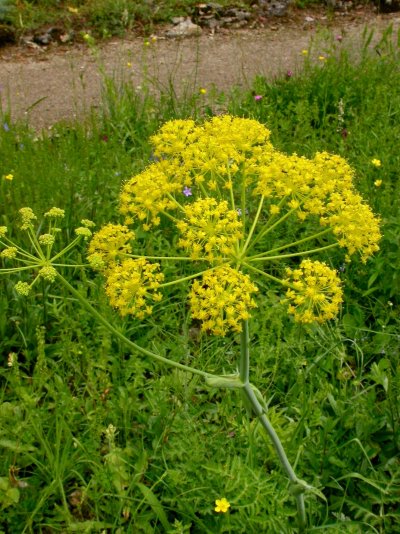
{"x": 244, "y": 362}
{"x": 127, "y": 341}
{"x": 260, "y": 413}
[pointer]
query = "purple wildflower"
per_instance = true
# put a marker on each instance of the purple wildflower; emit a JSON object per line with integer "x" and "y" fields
{"x": 187, "y": 191}
{"x": 6, "y": 128}
{"x": 289, "y": 73}
{"x": 257, "y": 98}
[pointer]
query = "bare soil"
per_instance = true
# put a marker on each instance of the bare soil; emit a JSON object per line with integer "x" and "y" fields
{"x": 46, "y": 85}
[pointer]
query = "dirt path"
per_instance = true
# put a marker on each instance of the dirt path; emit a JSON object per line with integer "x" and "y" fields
{"x": 45, "y": 86}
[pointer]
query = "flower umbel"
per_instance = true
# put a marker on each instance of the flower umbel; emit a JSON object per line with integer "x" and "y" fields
{"x": 132, "y": 287}
{"x": 210, "y": 228}
{"x": 221, "y": 300}
{"x": 315, "y": 292}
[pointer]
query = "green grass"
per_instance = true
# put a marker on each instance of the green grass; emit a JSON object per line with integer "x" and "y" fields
{"x": 333, "y": 391}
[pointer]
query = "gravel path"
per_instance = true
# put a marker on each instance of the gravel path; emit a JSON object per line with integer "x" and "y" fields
{"x": 45, "y": 86}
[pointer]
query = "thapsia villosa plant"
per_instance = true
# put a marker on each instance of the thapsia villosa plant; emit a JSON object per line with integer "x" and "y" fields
{"x": 231, "y": 210}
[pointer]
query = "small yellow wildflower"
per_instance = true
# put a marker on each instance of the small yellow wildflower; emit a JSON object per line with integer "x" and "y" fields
{"x": 9, "y": 177}
{"x": 304, "y": 52}
{"x": 322, "y": 58}
{"x": 202, "y": 91}
{"x": 378, "y": 183}
{"x": 74, "y": 10}
{"x": 222, "y": 505}
{"x": 129, "y": 64}
{"x": 376, "y": 162}
{"x": 3, "y": 231}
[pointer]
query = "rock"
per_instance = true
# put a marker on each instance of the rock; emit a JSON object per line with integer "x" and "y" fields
{"x": 273, "y": 8}
{"x": 213, "y": 16}
{"x": 51, "y": 35}
{"x": 185, "y": 28}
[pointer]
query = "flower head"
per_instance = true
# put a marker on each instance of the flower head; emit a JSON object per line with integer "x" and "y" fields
{"x": 221, "y": 300}
{"x": 222, "y": 505}
{"x": 376, "y": 162}
{"x": 148, "y": 194}
{"x": 55, "y": 213}
{"x": 27, "y": 216}
{"x": 9, "y": 177}
{"x": 315, "y": 292}
{"x": 132, "y": 287}
{"x": 257, "y": 98}
{"x": 378, "y": 183}
{"x": 110, "y": 244}
{"x": 209, "y": 228}
{"x": 187, "y": 191}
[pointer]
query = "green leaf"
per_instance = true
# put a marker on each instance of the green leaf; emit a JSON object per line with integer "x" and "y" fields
{"x": 155, "y": 504}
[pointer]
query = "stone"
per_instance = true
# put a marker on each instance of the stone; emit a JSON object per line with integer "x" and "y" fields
{"x": 273, "y": 8}
{"x": 185, "y": 28}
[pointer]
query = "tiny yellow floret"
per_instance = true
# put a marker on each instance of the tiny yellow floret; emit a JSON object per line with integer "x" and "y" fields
{"x": 376, "y": 162}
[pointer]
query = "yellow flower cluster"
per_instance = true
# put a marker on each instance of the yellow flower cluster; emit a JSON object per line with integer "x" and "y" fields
{"x": 210, "y": 229}
{"x": 27, "y": 216}
{"x": 206, "y": 181}
{"x": 132, "y": 287}
{"x": 324, "y": 187}
{"x": 9, "y": 253}
{"x": 173, "y": 138}
{"x": 109, "y": 245}
{"x": 315, "y": 293}
{"x": 148, "y": 194}
{"x": 221, "y": 300}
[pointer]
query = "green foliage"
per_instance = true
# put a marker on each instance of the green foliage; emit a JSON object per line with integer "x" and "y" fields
{"x": 96, "y": 438}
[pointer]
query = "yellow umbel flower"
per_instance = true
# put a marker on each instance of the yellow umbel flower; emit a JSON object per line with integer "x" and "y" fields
{"x": 146, "y": 195}
{"x": 223, "y": 147}
{"x": 109, "y": 245}
{"x": 48, "y": 273}
{"x": 315, "y": 293}
{"x": 172, "y": 138}
{"x": 9, "y": 253}
{"x": 355, "y": 226}
{"x": 210, "y": 229}
{"x": 55, "y": 213}
{"x": 222, "y": 505}
{"x": 221, "y": 300}
{"x": 27, "y": 216}
{"x": 132, "y": 287}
